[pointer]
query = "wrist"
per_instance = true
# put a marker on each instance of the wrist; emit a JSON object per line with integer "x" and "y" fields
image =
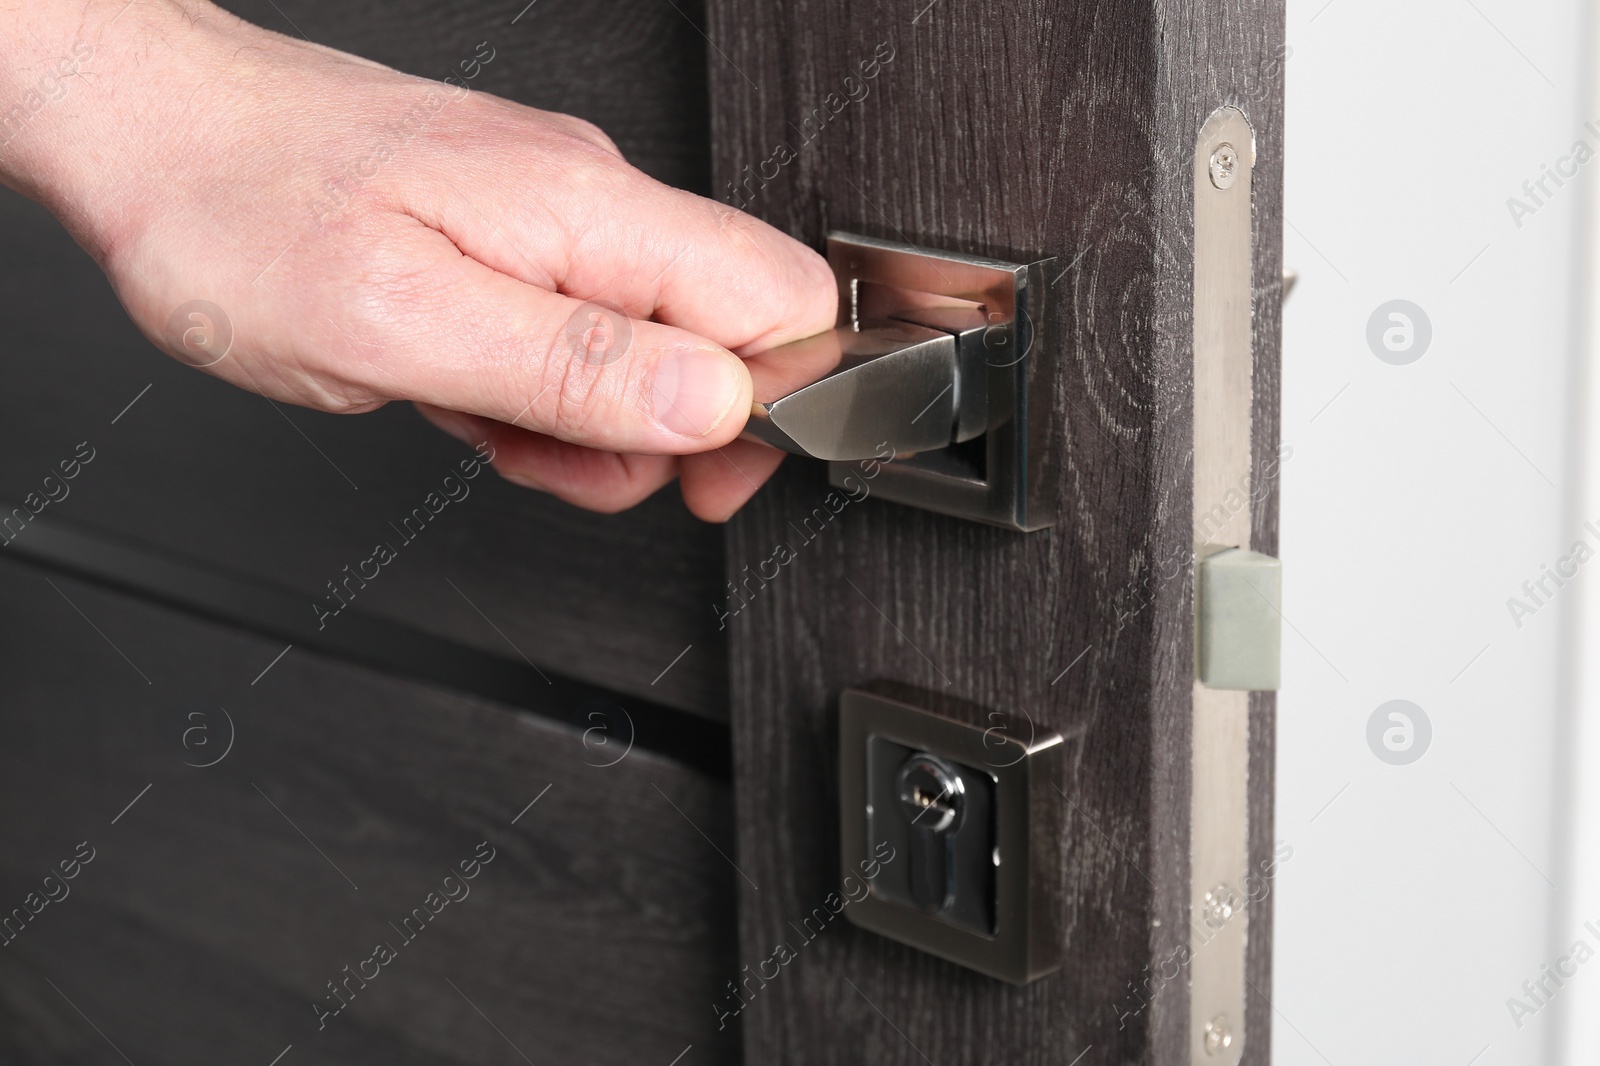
{"x": 88, "y": 115}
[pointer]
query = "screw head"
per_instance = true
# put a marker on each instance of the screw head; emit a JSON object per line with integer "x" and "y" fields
{"x": 1220, "y": 904}
{"x": 1219, "y": 1035}
{"x": 1224, "y": 166}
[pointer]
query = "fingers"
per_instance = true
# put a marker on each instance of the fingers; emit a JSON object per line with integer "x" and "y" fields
{"x": 716, "y": 484}
{"x": 597, "y": 481}
{"x": 593, "y": 227}
{"x": 463, "y": 337}
{"x": 723, "y": 274}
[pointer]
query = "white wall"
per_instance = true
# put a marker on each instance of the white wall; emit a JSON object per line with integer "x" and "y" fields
{"x": 1419, "y": 498}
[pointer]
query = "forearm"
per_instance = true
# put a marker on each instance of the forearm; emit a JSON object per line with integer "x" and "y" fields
{"x": 326, "y": 231}
{"x": 91, "y": 99}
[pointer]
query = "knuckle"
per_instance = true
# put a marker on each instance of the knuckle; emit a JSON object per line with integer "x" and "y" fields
{"x": 738, "y": 230}
{"x": 580, "y": 394}
{"x": 793, "y": 281}
{"x": 331, "y": 386}
{"x": 316, "y": 388}
{"x": 588, "y": 131}
{"x": 343, "y": 398}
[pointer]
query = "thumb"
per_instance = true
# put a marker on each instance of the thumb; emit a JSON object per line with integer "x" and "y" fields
{"x": 578, "y": 371}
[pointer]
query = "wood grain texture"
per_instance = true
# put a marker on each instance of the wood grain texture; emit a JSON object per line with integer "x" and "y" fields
{"x": 221, "y": 900}
{"x": 292, "y": 496}
{"x": 1029, "y": 130}
{"x": 634, "y": 68}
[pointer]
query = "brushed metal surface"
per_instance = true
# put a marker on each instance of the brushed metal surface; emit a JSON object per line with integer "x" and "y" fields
{"x": 891, "y": 391}
{"x": 1223, "y": 363}
{"x": 1013, "y": 489}
{"x": 851, "y": 395}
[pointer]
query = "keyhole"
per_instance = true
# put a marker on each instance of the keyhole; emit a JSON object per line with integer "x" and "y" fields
{"x": 940, "y": 817}
{"x": 931, "y": 793}
{"x": 932, "y": 797}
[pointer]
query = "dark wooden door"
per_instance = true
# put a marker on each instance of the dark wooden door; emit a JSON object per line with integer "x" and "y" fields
{"x": 642, "y": 784}
{"x": 267, "y": 802}
{"x": 1059, "y": 133}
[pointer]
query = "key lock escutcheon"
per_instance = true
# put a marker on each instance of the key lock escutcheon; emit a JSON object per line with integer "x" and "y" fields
{"x": 928, "y": 362}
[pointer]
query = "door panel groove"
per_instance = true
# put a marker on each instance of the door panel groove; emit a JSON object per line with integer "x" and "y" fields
{"x": 229, "y": 887}
{"x": 377, "y": 642}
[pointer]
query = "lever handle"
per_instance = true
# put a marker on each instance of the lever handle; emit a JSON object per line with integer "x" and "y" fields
{"x": 913, "y": 382}
{"x": 930, "y": 350}
{"x": 893, "y": 388}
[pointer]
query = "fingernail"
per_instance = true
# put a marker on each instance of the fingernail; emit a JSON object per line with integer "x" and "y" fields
{"x": 694, "y": 390}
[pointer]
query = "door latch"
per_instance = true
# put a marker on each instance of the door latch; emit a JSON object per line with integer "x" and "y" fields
{"x": 932, "y": 362}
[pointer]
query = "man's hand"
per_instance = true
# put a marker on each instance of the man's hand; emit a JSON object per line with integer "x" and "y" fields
{"x": 371, "y": 236}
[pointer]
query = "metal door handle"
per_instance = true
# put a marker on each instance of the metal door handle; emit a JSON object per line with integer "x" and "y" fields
{"x": 907, "y": 368}
{"x": 928, "y": 364}
{"x": 890, "y": 391}
{"x": 895, "y": 388}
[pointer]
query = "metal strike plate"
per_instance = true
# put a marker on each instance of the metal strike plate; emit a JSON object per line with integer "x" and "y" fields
{"x": 955, "y": 828}
{"x": 1224, "y": 365}
{"x": 932, "y": 363}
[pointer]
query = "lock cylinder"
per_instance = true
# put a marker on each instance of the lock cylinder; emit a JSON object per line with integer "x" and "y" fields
{"x": 939, "y": 815}
{"x": 933, "y": 798}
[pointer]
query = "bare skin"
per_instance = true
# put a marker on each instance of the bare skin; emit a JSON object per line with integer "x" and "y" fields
{"x": 370, "y": 236}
